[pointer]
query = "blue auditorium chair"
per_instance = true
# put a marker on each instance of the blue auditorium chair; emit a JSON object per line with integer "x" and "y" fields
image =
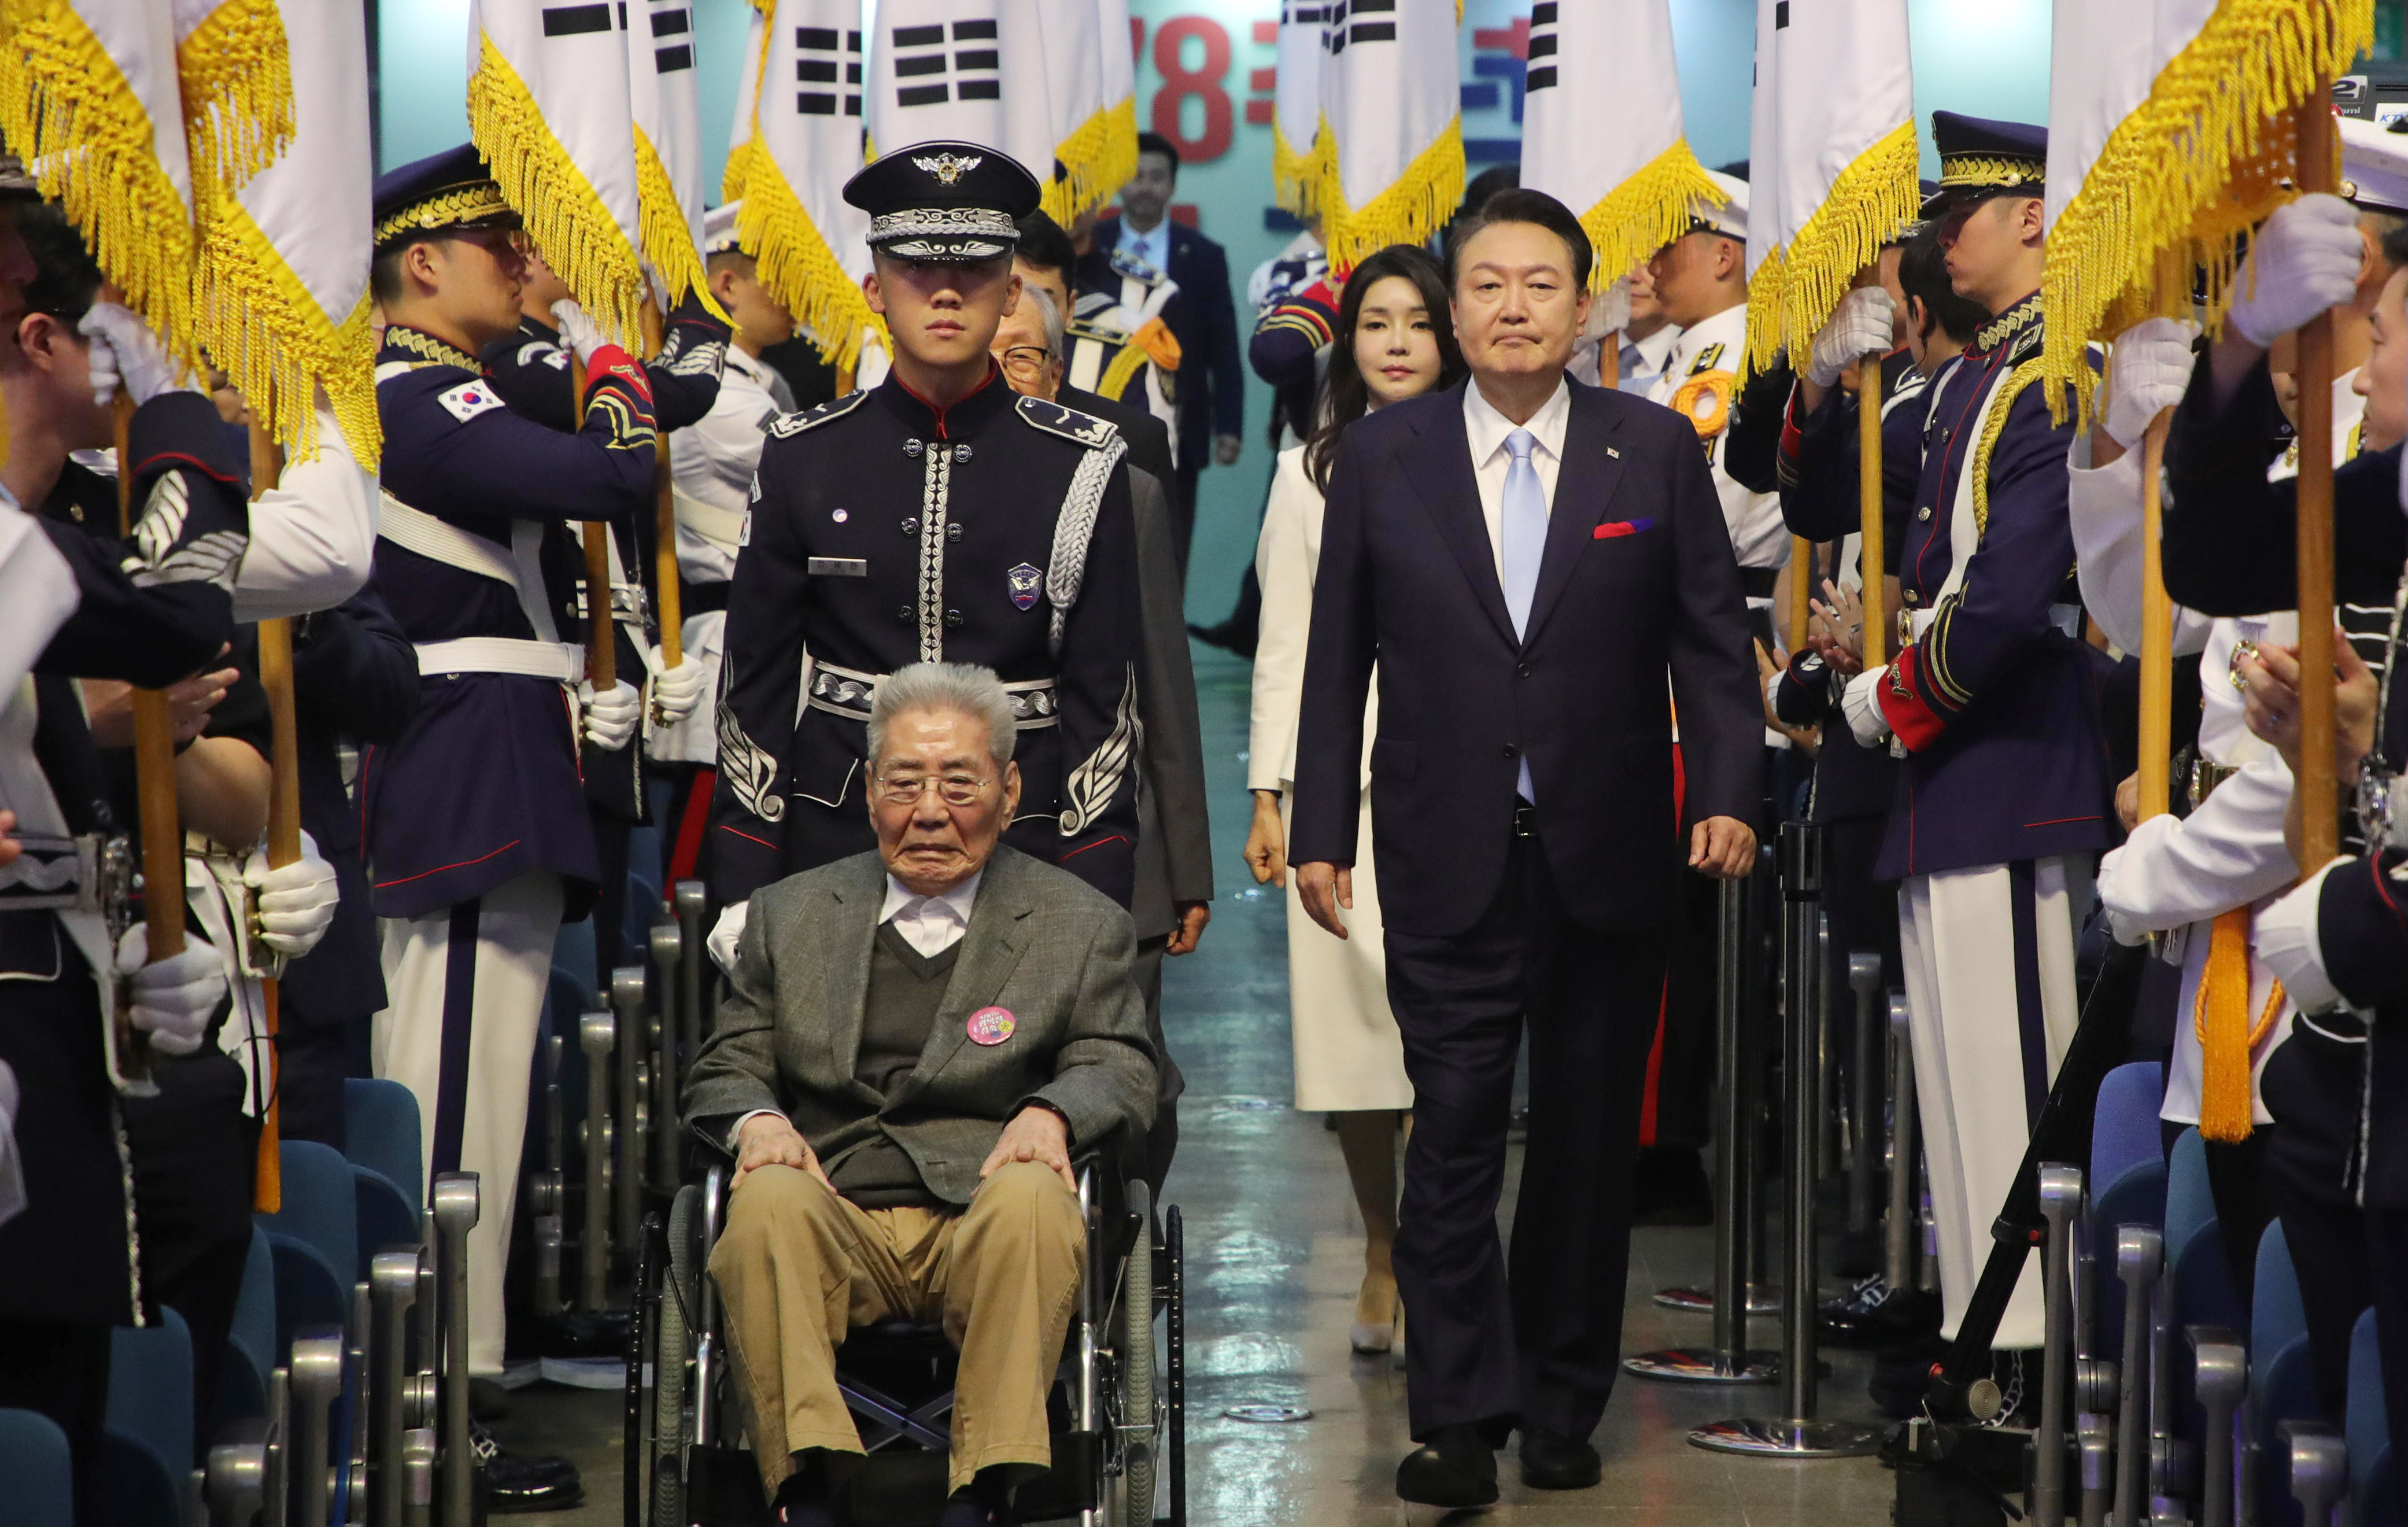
{"x": 2282, "y": 1374}
{"x": 2367, "y": 1429}
{"x": 40, "y": 1475}
{"x": 147, "y": 1434}
{"x": 2199, "y": 1273}
{"x": 382, "y": 1139}
{"x": 315, "y": 1238}
{"x": 2128, "y": 1179}
{"x": 242, "y": 1378}
{"x": 572, "y": 951}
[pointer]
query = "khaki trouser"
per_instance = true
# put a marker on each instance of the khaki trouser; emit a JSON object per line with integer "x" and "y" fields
{"x": 799, "y": 1267}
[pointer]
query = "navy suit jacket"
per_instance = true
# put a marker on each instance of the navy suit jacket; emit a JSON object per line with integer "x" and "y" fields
{"x": 1637, "y": 579}
{"x": 1212, "y": 372}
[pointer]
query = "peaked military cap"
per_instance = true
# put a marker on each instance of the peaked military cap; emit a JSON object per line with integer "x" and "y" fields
{"x": 719, "y": 235}
{"x": 1980, "y": 158}
{"x": 1728, "y": 217}
{"x": 443, "y": 192}
{"x": 2375, "y": 166}
{"x": 944, "y": 201}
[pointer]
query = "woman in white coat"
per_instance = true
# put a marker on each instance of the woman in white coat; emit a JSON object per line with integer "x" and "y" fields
{"x": 1394, "y": 342}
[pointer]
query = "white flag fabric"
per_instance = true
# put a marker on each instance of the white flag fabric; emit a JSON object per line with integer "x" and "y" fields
{"x": 1297, "y": 165}
{"x": 548, "y": 109}
{"x": 91, "y": 101}
{"x": 1091, "y": 101}
{"x": 937, "y": 72}
{"x": 662, "y": 102}
{"x": 1601, "y": 127}
{"x": 284, "y": 303}
{"x": 1841, "y": 170}
{"x": 2168, "y": 137}
{"x": 1394, "y": 174}
{"x": 1763, "y": 127}
{"x": 747, "y": 99}
{"x": 800, "y": 143}
{"x": 236, "y": 72}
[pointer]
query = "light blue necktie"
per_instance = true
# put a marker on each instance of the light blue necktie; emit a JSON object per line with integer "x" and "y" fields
{"x": 1522, "y": 537}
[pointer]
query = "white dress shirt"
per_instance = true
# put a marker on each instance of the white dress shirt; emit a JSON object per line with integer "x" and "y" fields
{"x": 312, "y": 535}
{"x": 1152, "y": 246}
{"x": 1490, "y": 460}
{"x": 2285, "y": 938}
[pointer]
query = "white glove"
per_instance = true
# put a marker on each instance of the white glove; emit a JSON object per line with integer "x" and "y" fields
{"x": 610, "y": 716}
{"x": 1862, "y": 325}
{"x": 124, "y": 353}
{"x": 2129, "y": 931}
{"x": 675, "y": 691}
{"x": 174, "y": 998}
{"x": 2147, "y": 374}
{"x": 2303, "y": 260}
{"x": 296, "y": 903}
{"x": 577, "y": 331}
{"x": 725, "y": 934}
{"x": 1862, "y": 705}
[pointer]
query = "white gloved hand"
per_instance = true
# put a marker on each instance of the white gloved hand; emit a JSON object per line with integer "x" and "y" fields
{"x": 1862, "y": 325}
{"x": 2303, "y": 260}
{"x": 1862, "y": 705}
{"x": 675, "y": 691}
{"x": 725, "y": 934}
{"x": 2147, "y": 373}
{"x": 577, "y": 331}
{"x": 296, "y": 903}
{"x": 2129, "y": 931}
{"x": 610, "y": 716}
{"x": 125, "y": 354}
{"x": 175, "y": 997}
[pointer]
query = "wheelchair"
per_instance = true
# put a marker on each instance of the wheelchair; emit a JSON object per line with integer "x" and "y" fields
{"x": 1118, "y": 1403}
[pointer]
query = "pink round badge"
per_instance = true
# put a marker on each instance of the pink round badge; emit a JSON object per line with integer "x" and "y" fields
{"x": 991, "y": 1025}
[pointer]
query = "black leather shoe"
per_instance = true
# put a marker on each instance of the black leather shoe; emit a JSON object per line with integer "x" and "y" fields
{"x": 1551, "y": 1460}
{"x": 1455, "y": 1468}
{"x": 1873, "y": 1314}
{"x": 524, "y": 1482}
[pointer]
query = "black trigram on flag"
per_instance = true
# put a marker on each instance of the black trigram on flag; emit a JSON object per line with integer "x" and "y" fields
{"x": 672, "y": 44}
{"x": 1339, "y": 31}
{"x": 1543, "y": 46}
{"x": 929, "y": 73}
{"x": 822, "y": 57}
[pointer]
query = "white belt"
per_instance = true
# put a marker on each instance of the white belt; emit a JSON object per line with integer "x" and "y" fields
{"x": 503, "y": 655}
{"x": 521, "y": 569}
{"x": 2065, "y": 617}
{"x": 723, "y": 527}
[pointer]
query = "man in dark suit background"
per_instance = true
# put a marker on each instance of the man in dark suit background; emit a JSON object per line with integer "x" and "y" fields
{"x": 1526, "y": 559}
{"x": 1204, "y": 320}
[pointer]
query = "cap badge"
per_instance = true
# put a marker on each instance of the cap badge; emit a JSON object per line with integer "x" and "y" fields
{"x": 947, "y": 167}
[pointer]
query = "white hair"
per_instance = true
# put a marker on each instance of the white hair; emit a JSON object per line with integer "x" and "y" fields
{"x": 1049, "y": 318}
{"x": 966, "y": 688}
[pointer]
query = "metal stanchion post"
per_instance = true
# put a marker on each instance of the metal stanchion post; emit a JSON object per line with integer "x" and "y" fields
{"x": 317, "y": 1379}
{"x": 2061, "y": 1200}
{"x": 691, "y": 899}
{"x": 418, "y": 1458}
{"x": 1865, "y": 980}
{"x": 627, "y": 1179}
{"x": 393, "y": 1285}
{"x": 2220, "y": 1372}
{"x": 1796, "y": 1434}
{"x": 596, "y": 1035}
{"x": 1728, "y": 1361}
{"x": 1826, "y": 1084}
{"x": 2140, "y": 1256}
{"x": 668, "y": 942}
{"x": 1899, "y": 1233}
{"x": 548, "y": 1202}
{"x": 2098, "y": 1470}
{"x": 455, "y": 1215}
{"x": 2320, "y": 1469}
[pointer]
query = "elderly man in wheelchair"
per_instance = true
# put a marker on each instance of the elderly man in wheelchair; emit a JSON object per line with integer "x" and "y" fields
{"x": 915, "y": 1042}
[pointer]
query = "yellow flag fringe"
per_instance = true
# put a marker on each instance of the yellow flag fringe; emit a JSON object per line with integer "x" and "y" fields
{"x": 739, "y": 169}
{"x": 276, "y": 344}
{"x": 1645, "y": 212}
{"x": 1295, "y": 177}
{"x": 668, "y": 239}
{"x": 800, "y": 271}
{"x": 2203, "y": 159}
{"x": 1764, "y": 311}
{"x": 1871, "y": 201}
{"x": 236, "y": 74}
{"x": 574, "y": 232}
{"x": 1414, "y": 206}
{"x": 69, "y": 113}
{"x": 1097, "y": 159}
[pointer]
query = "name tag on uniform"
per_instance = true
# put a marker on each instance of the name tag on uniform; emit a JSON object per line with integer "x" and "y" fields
{"x": 839, "y": 566}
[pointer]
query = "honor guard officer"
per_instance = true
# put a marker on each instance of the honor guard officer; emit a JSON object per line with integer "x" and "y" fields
{"x": 478, "y": 832}
{"x": 940, "y": 518}
{"x": 2005, "y": 796}
{"x": 1120, "y": 329}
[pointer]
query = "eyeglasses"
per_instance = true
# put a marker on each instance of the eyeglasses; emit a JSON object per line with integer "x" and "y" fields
{"x": 1027, "y": 361}
{"x": 953, "y": 789}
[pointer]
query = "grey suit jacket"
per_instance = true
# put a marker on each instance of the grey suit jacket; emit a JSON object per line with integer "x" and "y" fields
{"x": 1174, "y": 848}
{"x": 1042, "y": 943}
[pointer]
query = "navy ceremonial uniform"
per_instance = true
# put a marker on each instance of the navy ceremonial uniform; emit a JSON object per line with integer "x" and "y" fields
{"x": 478, "y": 837}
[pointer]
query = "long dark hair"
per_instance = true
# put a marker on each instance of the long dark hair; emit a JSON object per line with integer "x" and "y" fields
{"x": 1344, "y": 396}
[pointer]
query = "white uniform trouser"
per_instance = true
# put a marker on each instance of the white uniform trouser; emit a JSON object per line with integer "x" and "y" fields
{"x": 460, "y": 1034}
{"x": 1992, "y": 1007}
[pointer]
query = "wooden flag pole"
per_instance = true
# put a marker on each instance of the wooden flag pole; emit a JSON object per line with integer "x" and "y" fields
{"x": 601, "y": 643}
{"x": 1874, "y": 556}
{"x": 1801, "y": 591}
{"x": 283, "y": 812}
{"x": 2319, "y": 823}
{"x": 154, "y": 758}
{"x": 668, "y": 597}
{"x": 2156, "y": 632}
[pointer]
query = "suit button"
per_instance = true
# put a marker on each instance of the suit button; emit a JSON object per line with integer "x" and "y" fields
{"x": 1923, "y": 514}
{"x": 911, "y": 527}
{"x": 1522, "y": 670}
{"x": 903, "y": 613}
{"x": 954, "y": 530}
{"x": 1511, "y": 750}
{"x": 953, "y": 620}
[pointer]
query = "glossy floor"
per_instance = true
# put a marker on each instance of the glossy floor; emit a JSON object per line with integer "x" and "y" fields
{"x": 1274, "y": 1256}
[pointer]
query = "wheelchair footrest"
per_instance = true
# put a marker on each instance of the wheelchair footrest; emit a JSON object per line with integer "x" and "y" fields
{"x": 1069, "y": 1487}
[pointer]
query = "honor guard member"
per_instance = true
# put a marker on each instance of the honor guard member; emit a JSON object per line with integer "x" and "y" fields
{"x": 713, "y": 462}
{"x": 479, "y": 841}
{"x": 937, "y": 517}
{"x": 2005, "y": 799}
{"x": 1120, "y": 327}
{"x": 1701, "y": 282}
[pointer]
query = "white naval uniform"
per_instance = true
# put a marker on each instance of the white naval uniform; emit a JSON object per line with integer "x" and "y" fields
{"x": 312, "y": 535}
{"x": 1709, "y": 351}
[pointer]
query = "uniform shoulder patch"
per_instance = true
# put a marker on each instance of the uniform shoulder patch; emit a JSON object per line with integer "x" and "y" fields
{"x": 836, "y": 408}
{"x": 1085, "y": 428}
{"x": 2026, "y": 346}
{"x": 469, "y": 399}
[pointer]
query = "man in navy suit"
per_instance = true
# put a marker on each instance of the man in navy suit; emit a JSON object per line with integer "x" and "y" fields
{"x": 1212, "y": 377}
{"x": 1526, "y": 560}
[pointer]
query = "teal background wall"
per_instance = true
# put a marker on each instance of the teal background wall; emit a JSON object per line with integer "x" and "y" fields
{"x": 1204, "y": 75}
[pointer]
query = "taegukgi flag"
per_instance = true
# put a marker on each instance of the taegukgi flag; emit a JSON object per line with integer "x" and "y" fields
{"x": 548, "y": 109}
{"x": 236, "y": 73}
{"x": 1601, "y": 127}
{"x": 663, "y": 104}
{"x": 1393, "y": 168}
{"x": 1296, "y": 142}
{"x": 1091, "y": 103}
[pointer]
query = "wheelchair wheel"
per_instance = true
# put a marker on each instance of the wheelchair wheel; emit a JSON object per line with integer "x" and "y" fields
{"x": 672, "y": 1428}
{"x": 1134, "y": 1342}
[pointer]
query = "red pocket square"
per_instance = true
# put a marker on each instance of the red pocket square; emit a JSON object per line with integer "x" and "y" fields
{"x": 1611, "y": 529}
